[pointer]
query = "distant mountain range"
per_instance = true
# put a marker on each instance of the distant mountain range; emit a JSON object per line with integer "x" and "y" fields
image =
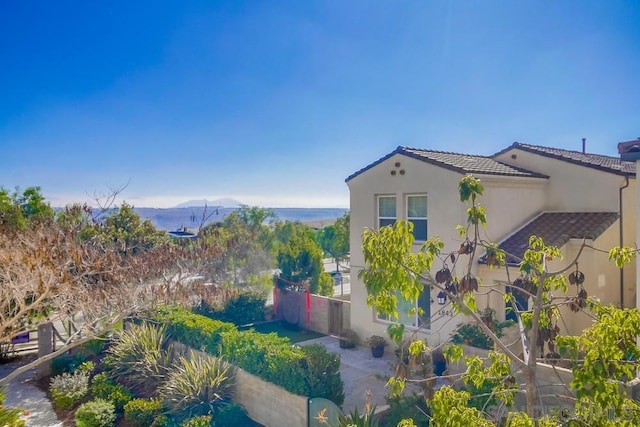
{"x": 191, "y": 217}
{"x": 224, "y": 202}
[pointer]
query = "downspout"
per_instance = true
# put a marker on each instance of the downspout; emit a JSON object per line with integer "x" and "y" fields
{"x": 626, "y": 184}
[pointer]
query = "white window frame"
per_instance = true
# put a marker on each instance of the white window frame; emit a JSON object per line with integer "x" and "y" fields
{"x": 380, "y": 217}
{"x": 424, "y": 218}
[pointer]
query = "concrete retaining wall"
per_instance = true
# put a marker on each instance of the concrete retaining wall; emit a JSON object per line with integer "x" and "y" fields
{"x": 269, "y": 404}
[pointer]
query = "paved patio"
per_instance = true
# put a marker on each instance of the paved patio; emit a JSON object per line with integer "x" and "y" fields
{"x": 362, "y": 373}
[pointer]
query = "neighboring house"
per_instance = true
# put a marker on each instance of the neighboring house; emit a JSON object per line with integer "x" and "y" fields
{"x": 630, "y": 151}
{"x": 564, "y": 196}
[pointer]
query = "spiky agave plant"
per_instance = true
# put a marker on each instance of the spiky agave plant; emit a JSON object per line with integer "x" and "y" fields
{"x": 140, "y": 359}
{"x": 198, "y": 384}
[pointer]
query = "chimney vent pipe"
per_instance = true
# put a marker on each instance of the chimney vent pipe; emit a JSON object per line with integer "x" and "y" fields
{"x": 584, "y": 145}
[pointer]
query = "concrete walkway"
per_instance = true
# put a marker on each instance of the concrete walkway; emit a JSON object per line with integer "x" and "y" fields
{"x": 23, "y": 392}
{"x": 363, "y": 375}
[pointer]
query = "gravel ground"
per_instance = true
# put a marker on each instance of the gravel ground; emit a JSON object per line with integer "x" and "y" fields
{"x": 23, "y": 392}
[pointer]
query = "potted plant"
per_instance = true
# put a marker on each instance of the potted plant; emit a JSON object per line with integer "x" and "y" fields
{"x": 377, "y": 344}
{"x": 348, "y": 338}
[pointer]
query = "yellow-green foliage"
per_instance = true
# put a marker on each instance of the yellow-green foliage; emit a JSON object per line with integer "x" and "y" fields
{"x": 450, "y": 408}
{"x": 142, "y": 412}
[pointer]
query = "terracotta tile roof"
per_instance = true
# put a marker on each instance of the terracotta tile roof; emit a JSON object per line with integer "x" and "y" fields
{"x": 596, "y": 161}
{"x": 556, "y": 228}
{"x": 462, "y": 163}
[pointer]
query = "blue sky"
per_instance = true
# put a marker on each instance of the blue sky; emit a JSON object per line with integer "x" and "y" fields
{"x": 275, "y": 103}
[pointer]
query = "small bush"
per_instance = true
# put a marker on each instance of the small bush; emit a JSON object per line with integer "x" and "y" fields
{"x": 322, "y": 374}
{"x": 348, "y": 338}
{"x": 102, "y": 387}
{"x": 68, "y": 388}
{"x": 199, "y": 421}
{"x": 10, "y": 416}
{"x": 197, "y": 384}
{"x": 240, "y": 307}
{"x": 142, "y": 412}
{"x": 96, "y": 413}
{"x": 472, "y": 335}
{"x": 231, "y": 415}
{"x": 245, "y": 306}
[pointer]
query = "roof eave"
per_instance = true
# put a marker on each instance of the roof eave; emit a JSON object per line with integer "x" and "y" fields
{"x": 398, "y": 150}
{"x": 517, "y": 145}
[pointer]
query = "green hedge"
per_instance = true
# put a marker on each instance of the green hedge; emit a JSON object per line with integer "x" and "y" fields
{"x": 192, "y": 329}
{"x": 307, "y": 371}
{"x": 267, "y": 356}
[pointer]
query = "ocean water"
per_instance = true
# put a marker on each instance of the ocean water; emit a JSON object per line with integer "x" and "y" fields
{"x": 177, "y": 218}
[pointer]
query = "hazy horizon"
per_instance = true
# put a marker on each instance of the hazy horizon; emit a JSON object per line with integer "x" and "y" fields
{"x": 173, "y": 202}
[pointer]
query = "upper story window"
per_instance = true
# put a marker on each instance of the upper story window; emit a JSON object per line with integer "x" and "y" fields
{"x": 386, "y": 210}
{"x": 417, "y": 214}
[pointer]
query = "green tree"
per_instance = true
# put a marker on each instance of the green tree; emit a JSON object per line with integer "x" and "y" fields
{"x": 247, "y": 238}
{"x": 299, "y": 258}
{"x": 125, "y": 230}
{"x": 18, "y": 209}
{"x": 394, "y": 271}
{"x": 334, "y": 239}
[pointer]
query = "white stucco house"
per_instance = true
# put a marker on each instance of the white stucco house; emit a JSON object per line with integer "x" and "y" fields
{"x": 630, "y": 151}
{"x": 561, "y": 195}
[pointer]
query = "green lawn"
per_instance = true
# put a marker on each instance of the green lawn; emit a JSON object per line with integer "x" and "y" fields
{"x": 294, "y": 335}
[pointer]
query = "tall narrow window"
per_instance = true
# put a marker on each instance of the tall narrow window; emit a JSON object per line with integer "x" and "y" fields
{"x": 424, "y": 303}
{"x": 386, "y": 210}
{"x": 417, "y": 214}
{"x": 420, "y": 318}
